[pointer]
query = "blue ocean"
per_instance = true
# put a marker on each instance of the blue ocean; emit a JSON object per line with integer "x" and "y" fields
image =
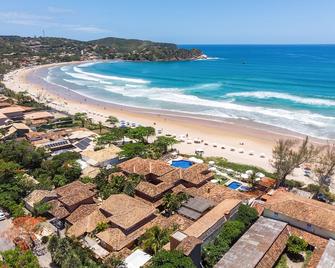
{"x": 287, "y": 86}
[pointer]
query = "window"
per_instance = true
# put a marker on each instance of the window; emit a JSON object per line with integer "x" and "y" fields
{"x": 276, "y": 214}
{"x": 309, "y": 226}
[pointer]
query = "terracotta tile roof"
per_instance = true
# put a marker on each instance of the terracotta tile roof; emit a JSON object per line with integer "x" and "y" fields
{"x": 303, "y": 209}
{"x": 117, "y": 240}
{"x": 126, "y": 211}
{"x": 197, "y": 174}
{"x": 76, "y": 196}
{"x": 81, "y": 212}
{"x": 12, "y": 109}
{"x": 275, "y": 251}
{"x": 214, "y": 192}
{"x": 198, "y": 228}
{"x": 58, "y": 210}
{"x": 145, "y": 167}
{"x": 86, "y": 224}
{"x": 37, "y": 196}
{"x": 188, "y": 244}
{"x": 74, "y": 193}
{"x": 168, "y": 181}
{"x": 38, "y": 115}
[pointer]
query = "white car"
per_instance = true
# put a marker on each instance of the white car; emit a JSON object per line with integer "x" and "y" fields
{"x": 2, "y": 216}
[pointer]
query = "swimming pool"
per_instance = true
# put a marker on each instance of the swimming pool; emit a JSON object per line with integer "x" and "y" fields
{"x": 181, "y": 163}
{"x": 234, "y": 185}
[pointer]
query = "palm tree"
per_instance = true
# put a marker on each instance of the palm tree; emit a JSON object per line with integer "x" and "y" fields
{"x": 154, "y": 239}
{"x": 112, "y": 120}
{"x": 82, "y": 117}
{"x": 100, "y": 127}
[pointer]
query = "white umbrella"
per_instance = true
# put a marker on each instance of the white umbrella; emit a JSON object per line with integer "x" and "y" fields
{"x": 212, "y": 169}
{"x": 249, "y": 172}
{"x": 189, "y": 141}
{"x": 211, "y": 163}
{"x": 174, "y": 153}
{"x": 244, "y": 176}
{"x": 223, "y": 147}
{"x": 260, "y": 175}
{"x": 215, "y": 145}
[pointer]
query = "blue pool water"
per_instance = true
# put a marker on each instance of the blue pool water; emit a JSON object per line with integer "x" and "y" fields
{"x": 181, "y": 163}
{"x": 287, "y": 86}
{"x": 234, "y": 185}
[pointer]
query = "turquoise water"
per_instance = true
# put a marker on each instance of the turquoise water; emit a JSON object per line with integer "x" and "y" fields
{"x": 292, "y": 87}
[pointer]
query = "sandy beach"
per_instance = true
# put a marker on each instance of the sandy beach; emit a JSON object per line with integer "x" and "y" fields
{"x": 245, "y": 137}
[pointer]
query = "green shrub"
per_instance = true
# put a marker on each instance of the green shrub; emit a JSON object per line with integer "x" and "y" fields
{"x": 293, "y": 184}
{"x": 247, "y": 215}
{"x": 169, "y": 259}
{"x": 230, "y": 231}
{"x": 295, "y": 245}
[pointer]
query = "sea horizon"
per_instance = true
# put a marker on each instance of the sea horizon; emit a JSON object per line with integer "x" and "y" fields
{"x": 284, "y": 86}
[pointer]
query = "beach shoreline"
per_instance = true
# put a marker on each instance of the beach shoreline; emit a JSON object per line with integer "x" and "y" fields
{"x": 256, "y": 138}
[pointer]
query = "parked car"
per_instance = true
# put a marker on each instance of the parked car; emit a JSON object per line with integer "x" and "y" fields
{"x": 58, "y": 224}
{"x": 321, "y": 197}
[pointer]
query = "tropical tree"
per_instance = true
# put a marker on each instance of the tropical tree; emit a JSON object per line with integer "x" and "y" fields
{"x": 141, "y": 134}
{"x": 247, "y": 215}
{"x": 131, "y": 150}
{"x": 113, "y": 262}
{"x": 164, "y": 143}
{"x": 114, "y": 135}
{"x": 296, "y": 245}
{"x": 169, "y": 259}
{"x": 15, "y": 258}
{"x": 154, "y": 239}
{"x": 325, "y": 165}
{"x": 82, "y": 117}
{"x": 288, "y": 155}
{"x": 172, "y": 202}
{"x": 100, "y": 126}
{"x": 112, "y": 120}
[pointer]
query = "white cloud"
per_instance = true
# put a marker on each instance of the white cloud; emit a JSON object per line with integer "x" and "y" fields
{"x": 89, "y": 29}
{"x": 22, "y": 18}
{"x": 28, "y": 19}
{"x": 59, "y": 10}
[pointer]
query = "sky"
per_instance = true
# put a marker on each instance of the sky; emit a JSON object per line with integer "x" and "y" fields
{"x": 176, "y": 21}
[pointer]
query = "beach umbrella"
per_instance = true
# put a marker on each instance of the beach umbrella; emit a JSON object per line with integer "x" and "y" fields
{"x": 215, "y": 145}
{"x": 244, "y": 176}
{"x": 260, "y": 175}
{"x": 251, "y": 153}
{"x": 249, "y": 172}
{"x": 223, "y": 147}
{"x": 262, "y": 155}
{"x": 232, "y": 149}
{"x": 241, "y": 151}
{"x": 211, "y": 163}
{"x": 189, "y": 141}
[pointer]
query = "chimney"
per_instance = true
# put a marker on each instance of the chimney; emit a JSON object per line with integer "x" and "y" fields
{"x": 150, "y": 168}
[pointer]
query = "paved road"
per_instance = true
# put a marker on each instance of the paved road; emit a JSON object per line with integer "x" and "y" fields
{"x": 5, "y": 243}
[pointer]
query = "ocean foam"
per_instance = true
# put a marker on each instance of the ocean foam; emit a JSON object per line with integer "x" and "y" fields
{"x": 110, "y": 77}
{"x": 284, "y": 96}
